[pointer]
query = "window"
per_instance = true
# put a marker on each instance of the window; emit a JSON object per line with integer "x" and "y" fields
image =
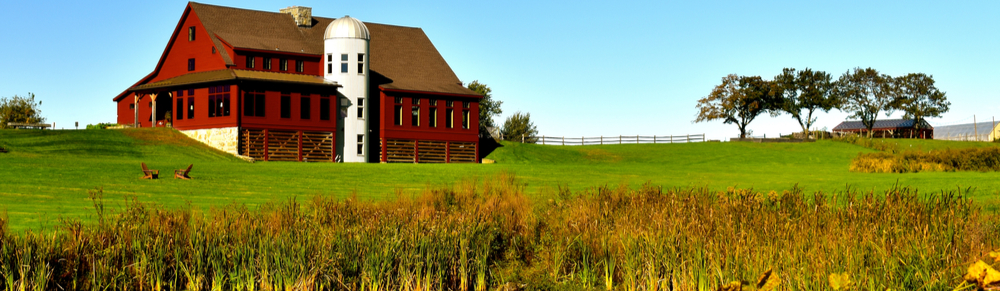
{"x": 250, "y": 62}
{"x": 286, "y": 105}
{"x": 415, "y": 118}
{"x": 190, "y": 106}
{"x": 180, "y": 93}
{"x": 398, "y": 117}
{"x": 343, "y": 63}
{"x": 361, "y": 144}
{"x": 300, "y": 66}
{"x": 450, "y": 103}
{"x": 218, "y": 101}
{"x": 361, "y": 107}
{"x": 190, "y": 64}
{"x": 267, "y": 63}
{"x": 131, "y": 106}
{"x": 450, "y": 122}
{"x": 191, "y": 33}
{"x": 190, "y": 92}
{"x": 283, "y": 64}
{"x": 180, "y": 108}
{"x": 434, "y": 117}
{"x": 361, "y": 63}
{"x": 329, "y": 63}
{"x": 213, "y": 50}
{"x": 466, "y": 104}
{"x": 465, "y": 119}
{"x": 324, "y": 109}
{"x": 253, "y": 103}
{"x": 304, "y": 105}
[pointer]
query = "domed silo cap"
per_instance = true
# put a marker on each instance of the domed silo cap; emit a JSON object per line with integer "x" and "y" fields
{"x": 346, "y": 27}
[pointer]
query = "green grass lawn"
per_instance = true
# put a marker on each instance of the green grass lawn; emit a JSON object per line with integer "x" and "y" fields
{"x": 47, "y": 174}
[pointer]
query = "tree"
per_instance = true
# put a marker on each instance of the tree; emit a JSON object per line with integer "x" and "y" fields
{"x": 919, "y": 98}
{"x": 519, "y": 127}
{"x": 864, "y": 93}
{"x": 488, "y": 108}
{"x": 805, "y": 92}
{"x": 739, "y": 99}
{"x": 20, "y": 109}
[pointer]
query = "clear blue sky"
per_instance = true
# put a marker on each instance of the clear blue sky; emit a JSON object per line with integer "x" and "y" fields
{"x": 585, "y": 68}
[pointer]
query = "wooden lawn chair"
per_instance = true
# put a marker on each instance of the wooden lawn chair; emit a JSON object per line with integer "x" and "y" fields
{"x": 149, "y": 174}
{"x": 183, "y": 173}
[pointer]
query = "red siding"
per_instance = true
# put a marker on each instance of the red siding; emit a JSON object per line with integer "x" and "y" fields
{"x": 175, "y": 62}
{"x": 272, "y": 115}
{"x": 311, "y": 62}
{"x": 390, "y": 130}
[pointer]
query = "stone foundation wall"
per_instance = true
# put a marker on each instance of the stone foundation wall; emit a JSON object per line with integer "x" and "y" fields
{"x": 225, "y": 139}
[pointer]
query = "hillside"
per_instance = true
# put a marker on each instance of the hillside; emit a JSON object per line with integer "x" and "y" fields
{"x": 47, "y": 174}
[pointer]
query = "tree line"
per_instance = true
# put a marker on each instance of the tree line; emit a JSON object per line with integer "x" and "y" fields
{"x": 864, "y": 93}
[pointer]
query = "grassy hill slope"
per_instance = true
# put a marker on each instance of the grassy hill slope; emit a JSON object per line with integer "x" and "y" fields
{"x": 47, "y": 174}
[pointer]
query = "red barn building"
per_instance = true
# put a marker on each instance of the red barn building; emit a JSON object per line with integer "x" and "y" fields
{"x": 290, "y": 86}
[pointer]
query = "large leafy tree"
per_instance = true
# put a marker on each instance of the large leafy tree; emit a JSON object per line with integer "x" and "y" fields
{"x": 20, "y": 109}
{"x": 864, "y": 93}
{"x": 488, "y": 107}
{"x": 739, "y": 100}
{"x": 519, "y": 127}
{"x": 803, "y": 93}
{"x": 919, "y": 98}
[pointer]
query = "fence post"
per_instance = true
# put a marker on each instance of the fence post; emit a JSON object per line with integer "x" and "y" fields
{"x": 654, "y": 139}
{"x": 602, "y": 140}
{"x": 582, "y": 140}
{"x": 564, "y": 140}
{"x": 619, "y": 139}
{"x": 688, "y": 139}
{"x": 636, "y": 139}
{"x": 543, "y": 139}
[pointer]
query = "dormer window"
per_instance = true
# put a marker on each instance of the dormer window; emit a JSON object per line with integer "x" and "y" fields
{"x": 250, "y": 63}
{"x": 191, "y": 33}
{"x": 283, "y": 64}
{"x": 267, "y": 63}
{"x": 300, "y": 66}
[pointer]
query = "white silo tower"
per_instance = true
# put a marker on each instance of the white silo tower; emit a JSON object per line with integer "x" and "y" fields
{"x": 345, "y": 46}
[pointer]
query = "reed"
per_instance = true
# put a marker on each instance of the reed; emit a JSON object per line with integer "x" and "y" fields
{"x": 487, "y": 235}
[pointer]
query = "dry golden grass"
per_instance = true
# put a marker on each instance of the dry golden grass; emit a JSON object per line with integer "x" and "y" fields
{"x": 487, "y": 235}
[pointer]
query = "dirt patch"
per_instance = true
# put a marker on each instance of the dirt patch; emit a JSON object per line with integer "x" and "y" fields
{"x": 599, "y": 155}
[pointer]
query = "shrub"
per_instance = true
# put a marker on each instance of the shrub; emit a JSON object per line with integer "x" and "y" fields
{"x": 100, "y": 125}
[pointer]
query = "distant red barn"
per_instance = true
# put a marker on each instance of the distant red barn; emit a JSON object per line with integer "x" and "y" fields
{"x": 889, "y": 128}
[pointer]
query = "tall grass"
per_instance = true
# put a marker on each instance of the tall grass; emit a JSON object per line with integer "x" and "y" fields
{"x": 968, "y": 159}
{"x": 486, "y": 235}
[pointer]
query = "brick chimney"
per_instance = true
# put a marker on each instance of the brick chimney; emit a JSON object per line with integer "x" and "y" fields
{"x": 302, "y": 15}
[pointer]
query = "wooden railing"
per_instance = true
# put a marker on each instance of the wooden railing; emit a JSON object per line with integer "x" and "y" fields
{"x": 621, "y": 139}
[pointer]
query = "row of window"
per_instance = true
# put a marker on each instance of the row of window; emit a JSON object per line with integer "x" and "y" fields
{"x": 344, "y": 68}
{"x": 251, "y": 62}
{"x": 415, "y": 113}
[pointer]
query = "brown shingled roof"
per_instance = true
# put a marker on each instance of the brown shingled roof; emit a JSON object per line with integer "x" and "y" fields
{"x": 232, "y": 75}
{"x": 404, "y": 55}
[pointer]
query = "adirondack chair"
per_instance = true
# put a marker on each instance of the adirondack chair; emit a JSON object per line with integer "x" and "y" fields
{"x": 183, "y": 173}
{"x": 149, "y": 174}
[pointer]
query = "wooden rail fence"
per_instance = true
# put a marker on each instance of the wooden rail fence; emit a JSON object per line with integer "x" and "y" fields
{"x": 621, "y": 139}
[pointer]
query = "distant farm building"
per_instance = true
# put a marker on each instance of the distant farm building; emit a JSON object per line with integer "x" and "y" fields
{"x": 889, "y": 128}
{"x": 290, "y": 86}
{"x": 982, "y": 131}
